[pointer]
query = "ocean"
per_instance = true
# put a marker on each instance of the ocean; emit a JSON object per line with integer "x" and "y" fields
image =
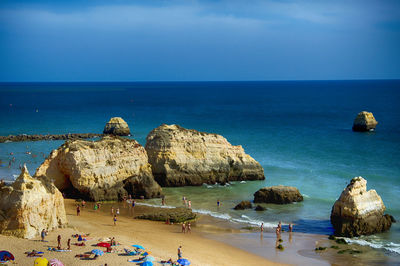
{"x": 300, "y": 132}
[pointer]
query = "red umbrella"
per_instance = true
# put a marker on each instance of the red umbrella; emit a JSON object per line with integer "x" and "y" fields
{"x": 104, "y": 244}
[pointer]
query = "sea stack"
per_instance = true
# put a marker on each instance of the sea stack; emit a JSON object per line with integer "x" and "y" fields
{"x": 117, "y": 126}
{"x": 358, "y": 211}
{"x": 278, "y": 195}
{"x": 30, "y": 205}
{"x": 365, "y": 121}
{"x": 187, "y": 157}
{"x": 107, "y": 169}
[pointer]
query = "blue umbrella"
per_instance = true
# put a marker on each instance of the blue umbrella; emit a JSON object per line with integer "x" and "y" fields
{"x": 149, "y": 258}
{"x": 146, "y": 253}
{"x": 138, "y": 246}
{"x": 6, "y": 256}
{"x": 183, "y": 262}
{"x": 146, "y": 263}
{"x": 97, "y": 252}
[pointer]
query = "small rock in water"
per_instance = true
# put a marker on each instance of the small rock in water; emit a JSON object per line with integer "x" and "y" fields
{"x": 260, "y": 208}
{"x": 243, "y": 205}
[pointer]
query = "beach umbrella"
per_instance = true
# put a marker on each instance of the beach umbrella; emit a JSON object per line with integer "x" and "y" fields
{"x": 97, "y": 252}
{"x": 55, "y": 262}
{"x": 41, "y": 262}
{"x": 146, "y": 253}
{"x": 104, "y": 245}
{"x": 146, "y": 263}
{"x": 6, "y": 256}
{"x": 149, "y": 258}
{"x": 138, "y": 246}
{"x": 183, "y": 262}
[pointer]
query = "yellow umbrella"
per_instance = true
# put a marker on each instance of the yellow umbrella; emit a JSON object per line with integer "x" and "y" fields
{"x": 41, "y": 262}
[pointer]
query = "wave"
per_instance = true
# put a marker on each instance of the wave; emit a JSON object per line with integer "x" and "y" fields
{"x": 389, "y": 246}
{"x": 154, "y": 205}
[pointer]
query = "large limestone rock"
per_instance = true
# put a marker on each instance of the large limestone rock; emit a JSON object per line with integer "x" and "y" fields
{"x": 117, "y": 126}
{"x": 365, "y": 121}
{"x": 180, "y": 157}
{"x": 278, "y": 195}
{"x": 107, "y": 169}
{"x": 30, "y": 205}
{"x": 358, "y": 211}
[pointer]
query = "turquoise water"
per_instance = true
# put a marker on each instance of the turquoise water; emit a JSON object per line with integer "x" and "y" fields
{"x": 300, "y": 132}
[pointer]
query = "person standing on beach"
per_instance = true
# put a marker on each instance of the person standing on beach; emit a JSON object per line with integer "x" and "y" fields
{"x": 115, "y": 219}
{"x": 83, "y": 204}
{"x": 59, "y": 242}
{"x": 43, "y": 234}
{"x": 180, "y": 252}
{"x": 183, "y": 228}
{"x": 112, "y": 210}
{"x": 69, "y": 244}
{"x": 78, "y": 210}
{"x": 117, "y": 211}
{"x": 262, "y": 228}
{"x": 95, "y": 207}
{"x": 189, "y": 204}
{"x": 290, "y": 228}
{"x": 188, "y": 228}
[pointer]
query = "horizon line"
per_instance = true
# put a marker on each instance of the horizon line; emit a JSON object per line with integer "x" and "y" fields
{"x": 200, "y": 81}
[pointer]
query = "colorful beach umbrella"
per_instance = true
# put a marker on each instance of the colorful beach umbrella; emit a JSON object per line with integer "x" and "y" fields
{"x": 55, "y": 262}
{"x": 41, "y": 262}
{"x": 146, "y": 263}
{"x": 104, "y": 245}
{"x": 138, "y": 246}
{"x": 149, "y": 258}
{"x": 97, "y": 252}
{"x": 183, "y": 262}
{"x": 146, "y": 253}
{"x": 6, "y": 256}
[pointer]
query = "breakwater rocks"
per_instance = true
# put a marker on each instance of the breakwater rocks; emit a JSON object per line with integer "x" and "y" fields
{"x": 107, "y": 169}
{"x": 182, "y": 157}
{"x": 278, "y": 195}
{"x": 364, "y": 121}
{"x": 359, "y": 212}
{"x": 24, "y": 137}
{"x": 30, "y": 205}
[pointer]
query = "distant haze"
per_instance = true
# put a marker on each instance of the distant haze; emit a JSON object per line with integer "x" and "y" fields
{"x": 199, "y": 40}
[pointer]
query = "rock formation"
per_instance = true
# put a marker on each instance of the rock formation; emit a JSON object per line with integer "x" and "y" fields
{"x": 180, "y": 157}
{"x": 358, "y": 211}
{"x": 107, "y": 169}
{"x": 30, "y": 205}
{"x": 174, "y": 215}
{"x": 117, "y": 126}
{"x": 365, "y": 121}
{"x": 278, "y": 195}
{"x": 243, "y": 205}
{"x": 24, "y": 137}
{"x": 260, "y": 208}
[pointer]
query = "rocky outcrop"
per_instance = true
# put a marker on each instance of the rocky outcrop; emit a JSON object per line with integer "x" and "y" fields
{"x": 30, "y": 205}
{"x": 243, "y": 205}
{"x": 107, "y": 169}
{"x": 180, "y": 157}
{"x": 358, "y": 211}
{"x": 173, "y": 215}
{"x": 24, "y": 137}
{"x": 365, "y": 121}
{"x": 260, "y": 208}
{"x": 117, "y": 126}
{"x": 278, "y": 195}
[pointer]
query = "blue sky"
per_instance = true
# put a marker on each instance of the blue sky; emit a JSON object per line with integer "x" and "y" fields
{"x": 189, "y": 40}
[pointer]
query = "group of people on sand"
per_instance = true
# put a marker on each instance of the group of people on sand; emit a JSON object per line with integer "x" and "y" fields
{"x": 186, "y": 228}
{"x": 279, "y": 229}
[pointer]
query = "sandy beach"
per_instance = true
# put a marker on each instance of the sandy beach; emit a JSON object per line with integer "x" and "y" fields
{"x": 160, "y": 239}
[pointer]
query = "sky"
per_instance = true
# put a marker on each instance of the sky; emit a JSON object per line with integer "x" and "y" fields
{"x": 189, "y": 40}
